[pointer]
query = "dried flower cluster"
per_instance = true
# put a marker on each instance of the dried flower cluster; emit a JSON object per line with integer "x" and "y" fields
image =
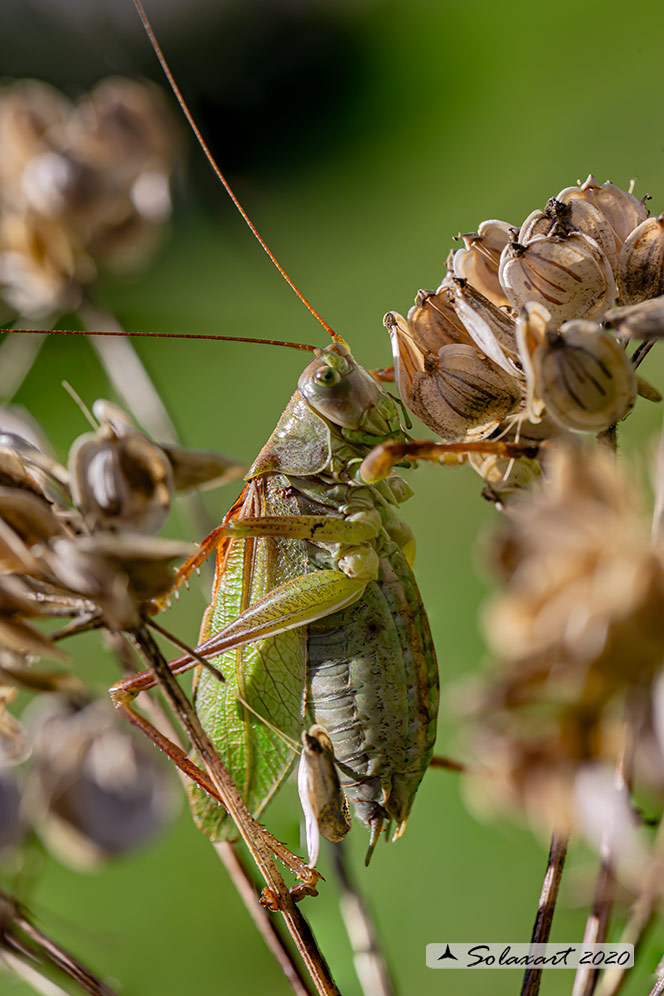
{"x": 514, "y": 343}
{"x": 577, "y": 633}
{"x": 81, "y": 185}
{"x": 77, "y": 543}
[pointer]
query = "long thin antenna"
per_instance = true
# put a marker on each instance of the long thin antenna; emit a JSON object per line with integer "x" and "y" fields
{"x": 167, "y": 335}
{"x": 210, "y": 158}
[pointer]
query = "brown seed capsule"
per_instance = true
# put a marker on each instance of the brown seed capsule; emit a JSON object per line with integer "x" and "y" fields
{"x": 200, "y": 468}
{"x": 644, "y": 320}
{"x": 570, "y": 276}
{"x": 537, "y": 223}
{"x": 118, "y": 573}
{"x": 33, "y": 116}
{"x": 641, "y": 263}
{"x": 120, "y": 479}
{"x": 457, "y": 392}
{"x": 478, "y": 262}
{"x": 492, "y": 330}
{"x": 574, "y": 214}
{"x": 584, "y": 377}
{"x": 532, "y": 325}
{"x": 621, "y": 208}
{"x": 433, "y": 322}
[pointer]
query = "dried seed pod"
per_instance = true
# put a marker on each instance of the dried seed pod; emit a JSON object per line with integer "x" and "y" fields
{"x": 641, "y": 263}
{"x": 433, "y": 322}
{"x": 30, "y": 517}
{"x": 492, "y": 330}
{"x": 11, "y": 822}
{"x": 33, "y": 116}
{"x": 584, "y": 377}
{"x": 118, "y": 573}
{"x": 622, "y": 210}
{"x": 478, "y": 262}
{"x": 200, "y": 468}
{"x": 644, "y": 320}
{"x": 324, "y": 802}
{"x": 533, "y": 323}
{"x": 14, "y": 744}
{"x": 457, "y": 392}
{"x": 120, "y": 481}
{"x": 504, "y": 478}
{"x": 537, "y": 223}
{"x": 17, "y": 636}
{"x": 41, "y": 265}
{"x": 570, "y": 276}
{"x": 95, "y": 791}
{"x": 574, "y": 214}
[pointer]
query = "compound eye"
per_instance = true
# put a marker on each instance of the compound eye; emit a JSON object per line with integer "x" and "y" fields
{"x": 327, "y": 376}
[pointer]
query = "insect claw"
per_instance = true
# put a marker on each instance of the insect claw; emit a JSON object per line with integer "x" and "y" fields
{"x": 376, "y": 828}
{"x": 269, "y": 900}
{"x": 302, "y": 889}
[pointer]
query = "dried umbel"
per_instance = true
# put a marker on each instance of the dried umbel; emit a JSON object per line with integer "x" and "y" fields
{"x": 81, "y": 185}
{"x": 536, "y": 303}
{"x": 576, "y": 632}
{"x": 95, "y": 790}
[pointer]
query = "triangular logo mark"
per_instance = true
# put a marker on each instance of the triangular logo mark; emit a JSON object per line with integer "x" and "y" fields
{"x": 447, "y": 954}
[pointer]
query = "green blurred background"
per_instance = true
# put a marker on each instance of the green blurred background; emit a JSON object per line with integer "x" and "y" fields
{"x": 422, "y": 119}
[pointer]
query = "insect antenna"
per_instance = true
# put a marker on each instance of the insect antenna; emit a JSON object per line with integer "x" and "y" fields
{"x": 169, "y": 335}
{"x": 213, "y": 163}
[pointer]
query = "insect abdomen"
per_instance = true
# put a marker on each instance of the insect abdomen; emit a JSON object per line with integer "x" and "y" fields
{"x": 373, "y": 685}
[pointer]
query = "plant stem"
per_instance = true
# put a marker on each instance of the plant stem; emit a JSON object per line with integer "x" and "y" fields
{"x": 227, "y": 853}
{"x": 370, "y": 964}
{"x": 252, "y": 834}
{"x": 546, "y": 907}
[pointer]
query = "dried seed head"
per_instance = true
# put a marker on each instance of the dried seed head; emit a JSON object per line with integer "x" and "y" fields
{"x": 478, "y": 262}
{"x": 641, "y": 263}
{"x": 576, "y": 626}
{"x": 40, "y": 265}
{"x": 457, "y": 392}
{"x": 584, "y": 377}
{"x": 33, "y": 116}
{"x": 570, "y": 276}
{"x": 79, "y": 184}
{"x": 96, "y": 791}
